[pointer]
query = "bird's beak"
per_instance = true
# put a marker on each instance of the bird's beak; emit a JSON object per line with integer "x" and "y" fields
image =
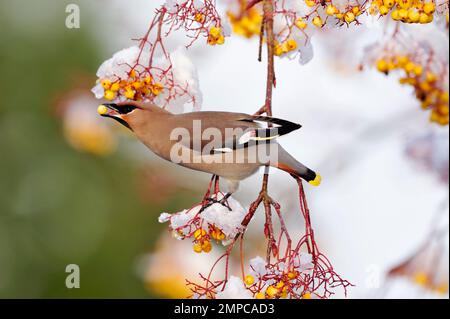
{"x": 111, "y": 110}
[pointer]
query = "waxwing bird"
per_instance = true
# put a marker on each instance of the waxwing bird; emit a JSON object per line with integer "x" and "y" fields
{"x": 230, "y": 145}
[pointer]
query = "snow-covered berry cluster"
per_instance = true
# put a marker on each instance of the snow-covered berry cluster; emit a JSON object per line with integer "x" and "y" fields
{"x": 422, "y": 65}
{"x": 207, "y": 221}
{"x": 170, "y": 82}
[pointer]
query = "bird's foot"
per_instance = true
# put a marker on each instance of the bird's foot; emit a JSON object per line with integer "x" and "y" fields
{"x": 223, "y": 201}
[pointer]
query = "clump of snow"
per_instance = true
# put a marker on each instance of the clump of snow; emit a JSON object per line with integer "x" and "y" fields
{"x": 235, "y": 289}
{"x": 217, "y": 215}
{"x": 344, "y": 5}
{"x": 181, "y": 85}
{"x": 184, "y": 76}
{"x": 258, "y": 267}
{"x": 306, "y": 53}
{"x": 299, "y": 7}
{"x": 164, "y": 217}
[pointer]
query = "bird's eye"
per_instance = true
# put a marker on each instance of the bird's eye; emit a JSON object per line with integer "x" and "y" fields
{"x": 126, "y": 109}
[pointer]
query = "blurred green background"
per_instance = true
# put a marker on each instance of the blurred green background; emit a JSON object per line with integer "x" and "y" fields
{"x": 59, "y": 206}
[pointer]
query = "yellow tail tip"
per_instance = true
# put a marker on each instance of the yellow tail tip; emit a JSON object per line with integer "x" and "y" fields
{"x": 316, "y": 181}
{"x": 102, "y": 110}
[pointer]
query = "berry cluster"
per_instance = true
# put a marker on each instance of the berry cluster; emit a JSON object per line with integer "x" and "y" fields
{"x": 407, "y": 11}
{"x": 196, "y": 18}
{"x": 285, "y": 47}
{"x": 291, "y": 270}
{"x": 202, "y": 238}
{"x": 136, "y": 87}
{"x": 425, "y": 82}
{"x": 246, "y": 22}
{"x": 215, "y": 36}
{"x": 279, "y": 289}
{"x": 349, "y": 15}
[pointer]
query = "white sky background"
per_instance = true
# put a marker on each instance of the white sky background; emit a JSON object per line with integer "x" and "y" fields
{"x": 375, "y": 205}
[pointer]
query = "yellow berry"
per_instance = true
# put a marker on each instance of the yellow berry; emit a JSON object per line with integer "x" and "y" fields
{"x": 404, "y": 4}
{"x": 220, "y": 235}
{"x": 260, "y": 295}
{"x": 148, "y": 79}
{"x": 197, "y": 248}
{"x": 291, "y": 44}
{"x": 106, "y": 84}
{"x": 102, "y": 110}
{"x": 331, "y": 10}
{"x": 403, "y": 14}
{"x": 402, "y": 60}
{"x": 215, "y": 32}
{"x": 137, "y": 85}
{"x": 413, "y": 15}
{"x": 280, "y": 285}
{"x": 132, "y": 73}
{"x": 220, "y": 40}
{"x": 292, "y": 275}
{"x": 306, "y": 295}
{"x": 418, "y": 70}
{"x": 249, "y": 280}
{"x": 115, "y": 87}
{"x": 444, "y": 97}
{"x": 310, "y": 3}
{"x": 421, "y": 279}
{"x": 301, "y": 24}
{"x": 317, "y": 21}
{"x": 429, "y": 8}
{"x": 157, "y": 88}
{"x": 200, "y": 18}
{"x": 424, "y": 18}
{"x": 425, "y": 86}
{"x": 110, "y": 95}
{"x": 206, "y": 246}
{"x": 384, "y": 10}
{"x": 199, "y": 233}
{"x": 349, "y": 17}
{"x": 391, "y": 66}
{"x": 278, "y": 50}
{"x": 409, "y": 67}
{"x": 389, "y": 3}
{"x": 129, "y": 94}
{"x": 395, "y": 15}
{"x": 356, "y": 10}
{"x": 382, "y": 66}
{"x": 271, "y": 291}
{"x": 443, "y": 109}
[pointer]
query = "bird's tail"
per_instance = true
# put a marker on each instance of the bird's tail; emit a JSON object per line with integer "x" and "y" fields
{"x": 290, "y": 165}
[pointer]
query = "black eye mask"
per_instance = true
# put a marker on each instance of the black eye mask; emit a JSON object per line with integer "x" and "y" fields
{"x": 126, "y": 109}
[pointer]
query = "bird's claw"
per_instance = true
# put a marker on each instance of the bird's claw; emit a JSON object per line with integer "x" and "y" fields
{"x": 223, "y": 201}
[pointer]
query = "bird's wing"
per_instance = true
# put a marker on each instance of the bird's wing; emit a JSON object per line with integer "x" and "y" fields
{"x": 282, "y": 127}
{"x": 224, "y": 132}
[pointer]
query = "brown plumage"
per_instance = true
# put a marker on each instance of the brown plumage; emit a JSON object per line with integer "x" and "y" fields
{"x": 230, "y": 145}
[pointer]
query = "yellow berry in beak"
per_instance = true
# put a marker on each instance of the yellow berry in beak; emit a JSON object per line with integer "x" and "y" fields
{"x": 316, "y": 181}
{"x": 102, "y": 110}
